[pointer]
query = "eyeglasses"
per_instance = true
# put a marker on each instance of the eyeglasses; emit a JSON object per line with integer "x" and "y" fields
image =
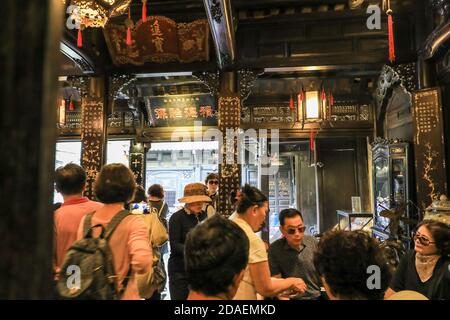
{"x": 423, "y": 241}
{"x": 292, "y": 230}
{"x": 213, "y": 182}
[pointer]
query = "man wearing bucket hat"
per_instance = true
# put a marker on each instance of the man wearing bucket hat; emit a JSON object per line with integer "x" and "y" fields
{"x": 194, "y": 197}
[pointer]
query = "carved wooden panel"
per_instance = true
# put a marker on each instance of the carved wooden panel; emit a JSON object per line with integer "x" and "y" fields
{"x": 137, "y": 166}
{"x": 92, "y": 138}
{"x": 229, "y": 168}
{"x": 429, "y": 146}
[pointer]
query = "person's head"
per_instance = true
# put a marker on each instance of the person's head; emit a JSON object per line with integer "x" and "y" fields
{"x": 253, "y": 206}
{"x": 115, "y": 183}
{"x": 194, "y": 196}
{"x": 156, "y": 191}
{"x": 216, "y": 255}
{"x": 346, "y": 260}
{"x": 70, "y": 179}
{"x": 292, "y": 226}
{"x": 235, "y": 196}
{"x": 212, "y": 182}
{"x": 139, "y": 195}
{"x": 432, "y": 237}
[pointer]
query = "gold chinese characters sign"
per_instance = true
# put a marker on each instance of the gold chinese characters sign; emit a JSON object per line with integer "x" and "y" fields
{"x": 160, "y": 40}
{"x": 429, "y": 146}
{"x": 229, "y": 169}
{"x": 92, "y": 137}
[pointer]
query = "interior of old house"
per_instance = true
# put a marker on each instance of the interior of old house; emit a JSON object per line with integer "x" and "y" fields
{"x": 337, "y": 108}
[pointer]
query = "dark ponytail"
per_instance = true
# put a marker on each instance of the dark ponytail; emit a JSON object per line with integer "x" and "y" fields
{"x": 251, "y": 196}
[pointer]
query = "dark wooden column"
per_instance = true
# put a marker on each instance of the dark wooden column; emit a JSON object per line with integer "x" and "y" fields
{"x": 137, "y": 162}
{"x": 31, "y": 31}
{"x": 229, "y": 119}
{"x": 93, "y": 133}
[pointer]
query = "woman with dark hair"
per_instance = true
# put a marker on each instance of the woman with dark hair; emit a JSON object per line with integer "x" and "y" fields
{"x": 129, "y": 242}
{"x": 426, "y": 269}
{"x": 346, "y": 262}
{"x": 251, "y": 210}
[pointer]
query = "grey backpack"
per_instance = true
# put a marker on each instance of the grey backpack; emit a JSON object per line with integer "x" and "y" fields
{"x": 88, "y": 270}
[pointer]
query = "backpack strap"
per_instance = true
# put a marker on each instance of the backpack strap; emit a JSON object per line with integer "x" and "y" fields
{"x": 161, "y": 209}
{"x": 87, "y": 222}
{"x": 112, "y": 225}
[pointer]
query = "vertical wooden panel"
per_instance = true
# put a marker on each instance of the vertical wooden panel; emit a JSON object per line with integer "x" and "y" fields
{"x": 229, "y": 168}
{"x": 92, "y": 140}
{"x": 137, "y": 163}
{"x": 429, "y": 146}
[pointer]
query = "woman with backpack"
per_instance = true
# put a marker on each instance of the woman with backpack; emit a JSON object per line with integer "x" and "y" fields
{"x": 129, "y": 242}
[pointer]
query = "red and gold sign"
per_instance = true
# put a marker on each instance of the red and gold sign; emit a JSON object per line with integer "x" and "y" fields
{"x": 159, "y": 39}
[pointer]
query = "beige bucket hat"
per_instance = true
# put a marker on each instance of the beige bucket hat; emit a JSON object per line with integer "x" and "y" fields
{"x": 195, "y": 192}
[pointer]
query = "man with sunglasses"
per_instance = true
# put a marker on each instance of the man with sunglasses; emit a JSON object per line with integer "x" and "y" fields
{"x": 212, "y": 183}
{"x": 292, "y": 255}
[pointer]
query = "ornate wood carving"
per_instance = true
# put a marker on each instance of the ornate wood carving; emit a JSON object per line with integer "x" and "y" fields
{"x": 216, "y": 10}
{"x": 390, "y": 77}
{"x": 429, "y": 148}
{"x": 441, "y": 7}
{"x": 229, "y": 168}
{"x": 222, "y": 29}
{"x": 137, "y": 162}
{"x": 247, "y": 79}
{"x": 118, "y": 85}
{"x": 210, "y": 79}
{"x": 92, "y": 139}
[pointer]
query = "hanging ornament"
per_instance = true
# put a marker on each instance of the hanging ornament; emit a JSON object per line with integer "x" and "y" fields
{"x": 79, "y": 39}
{"x": 331, "y": 99}
{"x": 300, "y": 98}
{"x": 389, "y": 12}
{"x": 129, "y": 24}
{"x": 144, "y": 10}
{"x": 291, "y": 102}
{"x": 70, "y": 104}
{"x": 391, "y": 36}
{"x": 311, "y": 140}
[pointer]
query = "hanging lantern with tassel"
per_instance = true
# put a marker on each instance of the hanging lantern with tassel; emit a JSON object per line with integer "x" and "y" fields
{"x": 144, "y": 10}
{"x": 300, "y": 98}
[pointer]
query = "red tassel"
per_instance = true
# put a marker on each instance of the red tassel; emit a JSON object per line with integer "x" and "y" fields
{"x": 70, "y": 105}
{"x": 311, "y": 140}
{"x": 129, "y": 30}
{"x": 391, "y": 39}
{"x": 144, "y": 11}
{"x": 129, "y": 36}
{"x": 291, "y": 103}
{"x": 331, "y": 99}
{"x": 324, "y": 97}
{"x": 300, "y": 98}
{"x": 79, "y": 39}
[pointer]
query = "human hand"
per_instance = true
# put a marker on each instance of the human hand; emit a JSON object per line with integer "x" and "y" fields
{"x": 298, "y": 285}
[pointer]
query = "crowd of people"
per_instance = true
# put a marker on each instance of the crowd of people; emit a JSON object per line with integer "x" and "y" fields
{"x": 212, "y": 257}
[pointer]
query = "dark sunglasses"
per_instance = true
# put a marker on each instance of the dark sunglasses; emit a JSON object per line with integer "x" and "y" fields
{"x": 213, "y": 182}
{"x": 292, "y": 230}
{"x": 423, "y": 241}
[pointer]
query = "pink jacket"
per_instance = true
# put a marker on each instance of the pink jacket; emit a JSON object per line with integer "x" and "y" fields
{"x": 130, "y": 246}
